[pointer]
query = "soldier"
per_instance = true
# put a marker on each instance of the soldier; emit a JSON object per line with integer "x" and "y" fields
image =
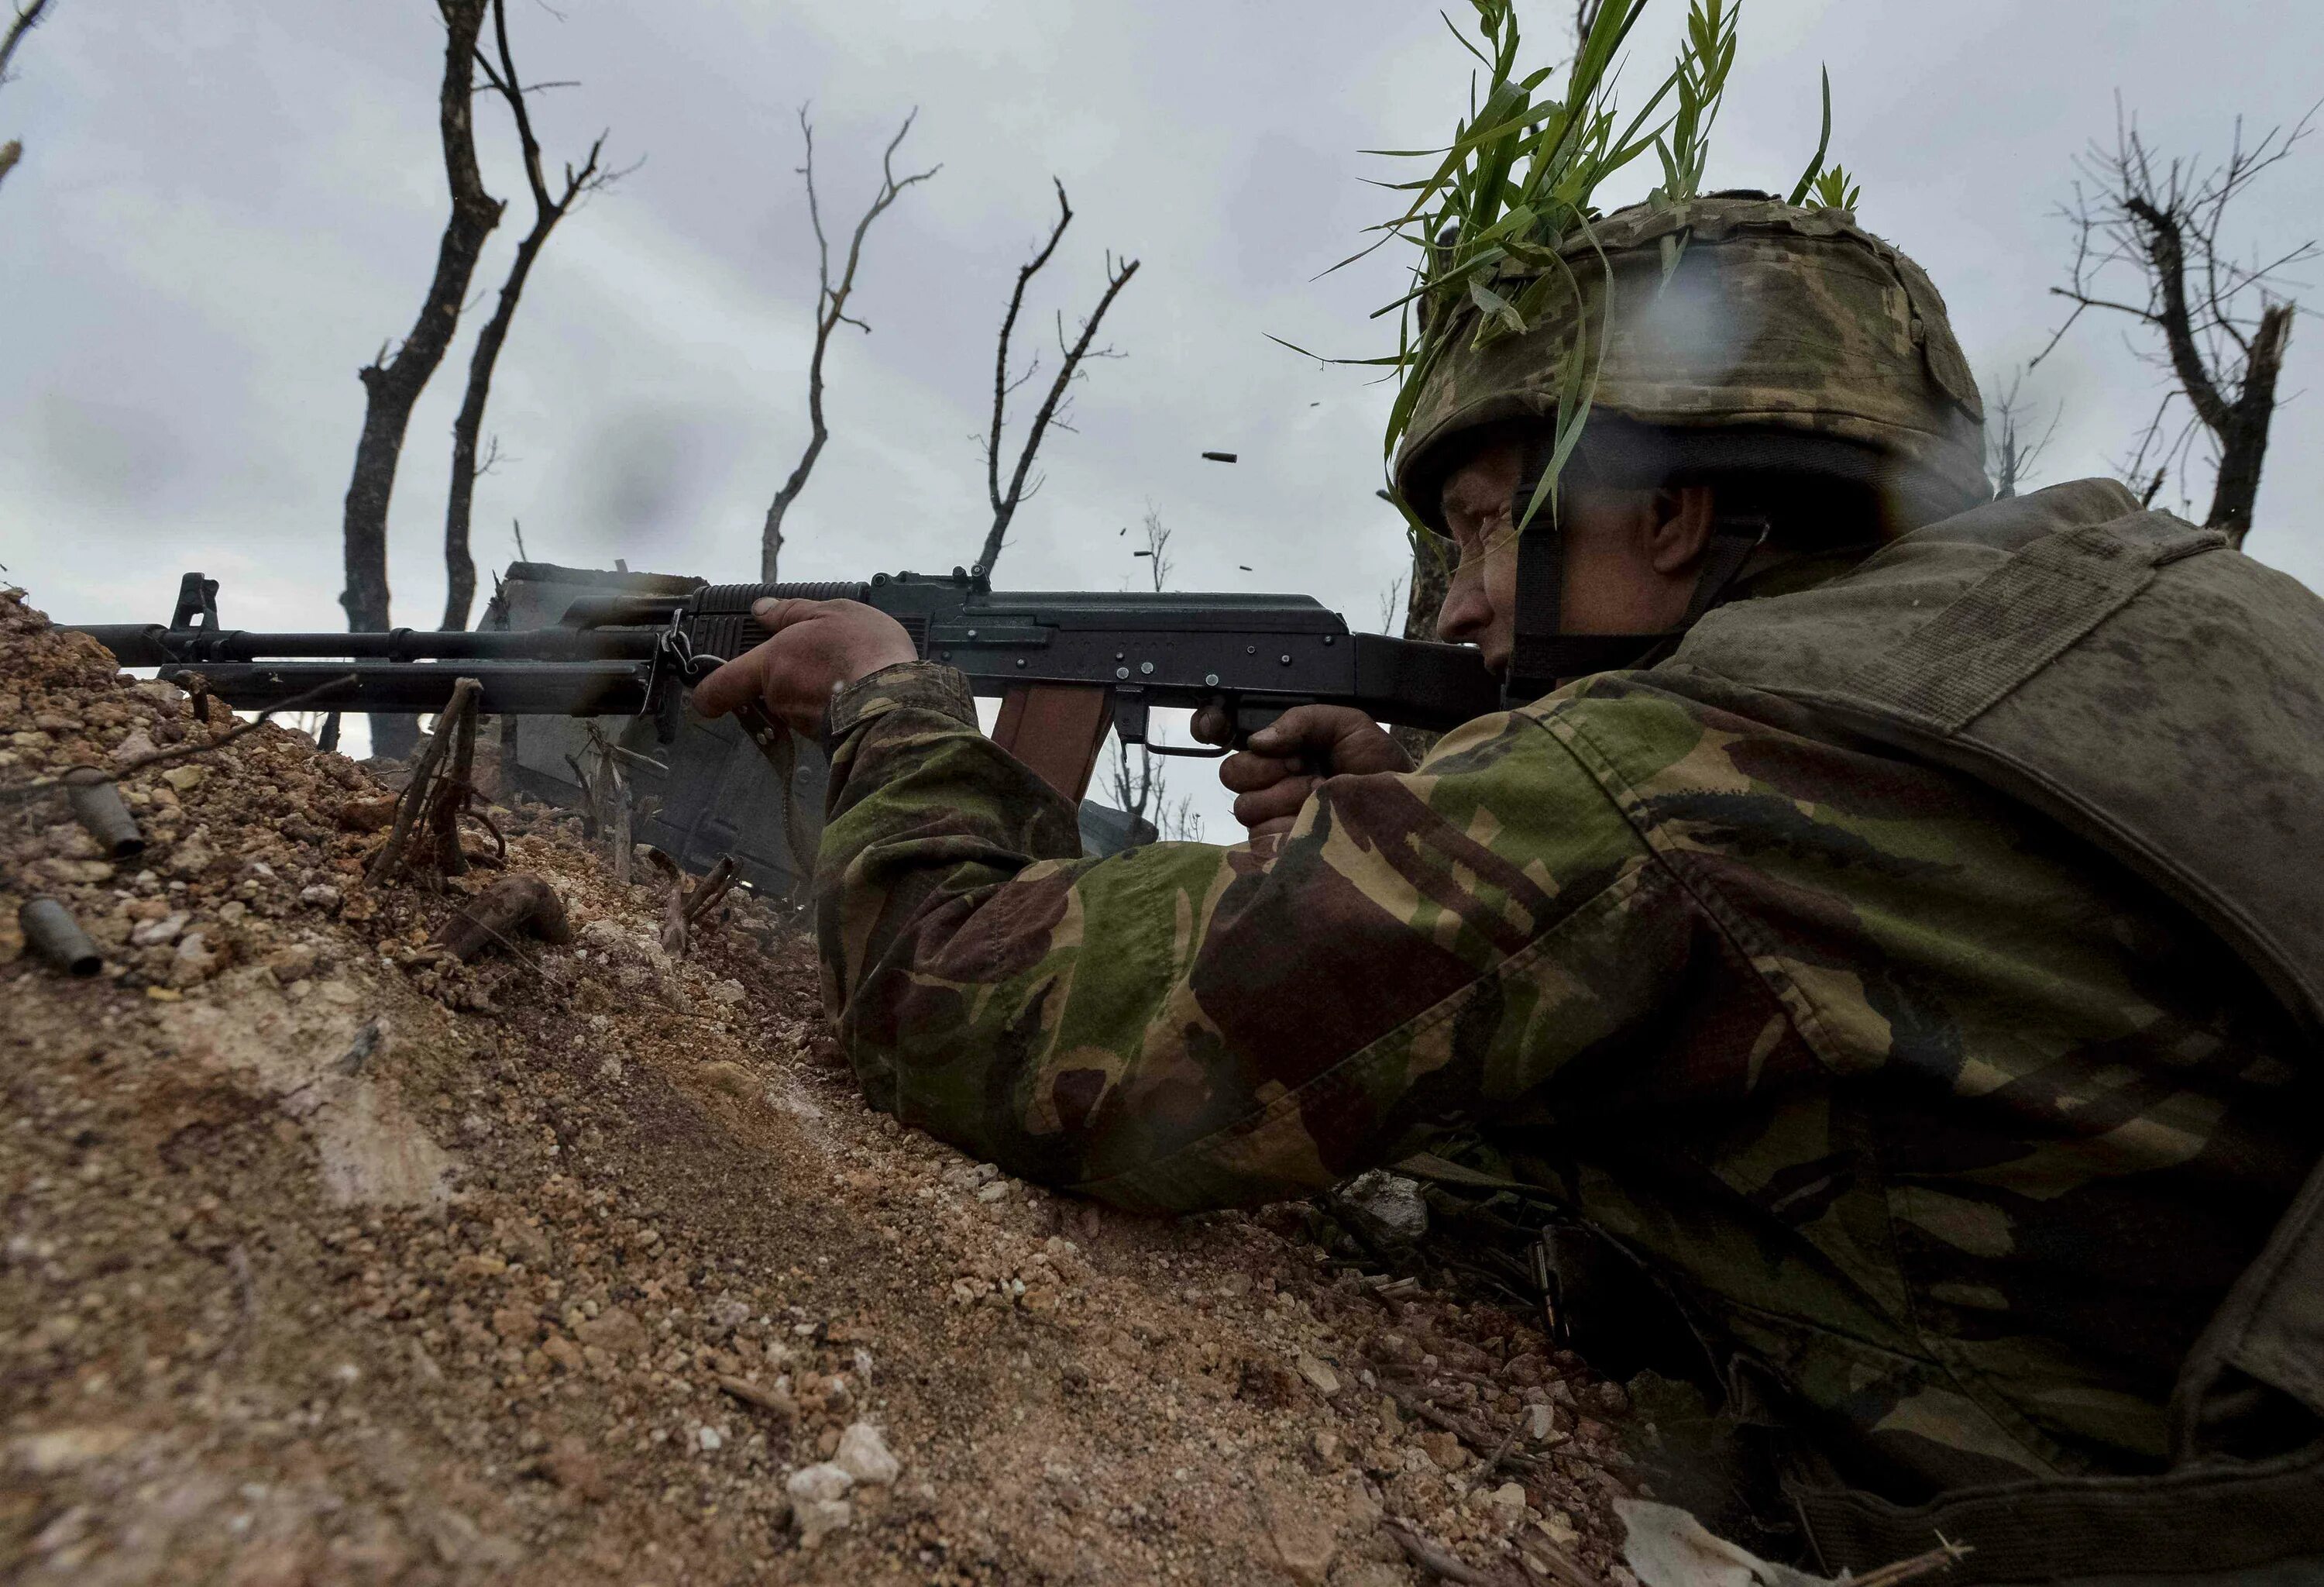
{"x": 1860, "y": 920}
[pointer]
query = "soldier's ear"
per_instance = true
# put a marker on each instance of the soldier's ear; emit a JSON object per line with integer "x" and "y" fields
{"x": 1679, "y": 525}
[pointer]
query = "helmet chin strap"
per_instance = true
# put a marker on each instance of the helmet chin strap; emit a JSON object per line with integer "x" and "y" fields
{"x": 1542, "y": 655}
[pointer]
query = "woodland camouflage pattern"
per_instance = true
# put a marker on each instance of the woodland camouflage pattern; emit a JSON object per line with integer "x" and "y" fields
{"x": 1951, "y": 1126}
{"x": 1775, "y": 318}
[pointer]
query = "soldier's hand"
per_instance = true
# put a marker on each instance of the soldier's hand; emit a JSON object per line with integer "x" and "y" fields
{"x": 1289, "y": 756}
{"x": 814, "y": 647}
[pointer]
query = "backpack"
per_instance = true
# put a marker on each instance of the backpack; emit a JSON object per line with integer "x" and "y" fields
{"x": 2161, "y": 696}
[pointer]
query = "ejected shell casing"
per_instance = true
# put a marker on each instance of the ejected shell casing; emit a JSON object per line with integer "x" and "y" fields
{"x": 54, "y": 935}
{"x": 98, "y": 807}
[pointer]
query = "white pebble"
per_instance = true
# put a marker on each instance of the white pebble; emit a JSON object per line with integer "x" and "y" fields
{"x": 863, "y": 1454}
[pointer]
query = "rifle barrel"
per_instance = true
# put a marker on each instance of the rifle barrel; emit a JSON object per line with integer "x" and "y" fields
{"x": 535, "y": 688}
{"x": 152, "y": 645}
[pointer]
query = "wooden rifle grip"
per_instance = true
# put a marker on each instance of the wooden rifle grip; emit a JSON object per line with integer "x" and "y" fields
{"x": 1056, "y": 730}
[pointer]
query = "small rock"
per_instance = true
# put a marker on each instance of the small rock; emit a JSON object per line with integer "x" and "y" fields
{"x": 295, "y": 962}
{"x": 1444, "y": 1449}
{"x": 1303, "y": 1539}
{"x": 819, "y": 1501}
{"x": 1319, "y": 1372}
{"x": 197, "y": 960}
{"x": 135, "y": 746}
{"x": 616, "y": 1329}
{"x": 186, "y": 779}
{"x": 1391, "y": 1201}
{"x": 863, "y": 1454}
{"x": 818, "y": 1518}
{"x": 375, "y": 814}
{"x": 727, "y": 1314}
{"x": 1540, "y": 1422}
{"x": 193, "y": 855}
{"x": 709, "y": 1439}
{"x": 322, "y": 895}
{"x": 994, "y": 1192}
{"x": 1509, "y": 1499}
{"x": 1327, "y": 1447}
{"x": 728, "y": 991}
{"x": 155, "y": 933}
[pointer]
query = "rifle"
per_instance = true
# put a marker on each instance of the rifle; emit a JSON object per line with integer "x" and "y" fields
{"x": 1066, "y": 665}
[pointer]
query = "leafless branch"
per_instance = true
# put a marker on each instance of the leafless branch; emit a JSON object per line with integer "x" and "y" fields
{"x": 831, "y": 313}
{"x": 2222, "y": 322}
{"x": 28, "y": 17}
{"x": 2009, "y": 457}
{"x": 1022, "y": 485}
{"x": 1003, "y": 386}
{"x": 547, "y": 208}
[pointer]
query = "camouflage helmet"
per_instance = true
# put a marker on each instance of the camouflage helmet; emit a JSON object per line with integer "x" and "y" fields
{"x": 1785, "y": 338}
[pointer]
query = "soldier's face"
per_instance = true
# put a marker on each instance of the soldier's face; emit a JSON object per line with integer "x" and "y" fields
{"x": 1630, "y": 555}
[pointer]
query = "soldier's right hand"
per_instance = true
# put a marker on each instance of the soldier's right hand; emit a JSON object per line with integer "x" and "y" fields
{"x": 1287, "y": 758}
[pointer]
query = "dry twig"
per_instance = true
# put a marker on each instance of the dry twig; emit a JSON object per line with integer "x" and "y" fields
{"x": 1434, "y": 1558}
{"x": 429, "y": 808}
{"x": 1897, "y": 1574}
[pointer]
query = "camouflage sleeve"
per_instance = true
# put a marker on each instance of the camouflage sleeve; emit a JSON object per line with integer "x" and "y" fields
{"x": 1186, "y": 1026}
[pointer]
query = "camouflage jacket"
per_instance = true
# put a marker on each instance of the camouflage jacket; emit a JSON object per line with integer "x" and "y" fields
{"x": 1949, "y": 1123}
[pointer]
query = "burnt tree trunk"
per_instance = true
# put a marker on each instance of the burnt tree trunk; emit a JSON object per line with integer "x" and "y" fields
{"x": 459, "y": 564}
{"x": 2243, "y": 436}
{"x": 392, "y": 384}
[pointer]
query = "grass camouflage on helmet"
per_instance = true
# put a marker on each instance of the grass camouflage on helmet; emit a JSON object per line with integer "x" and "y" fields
{"x": 1785, "y": 338}
{"x": 1809, "y": 337}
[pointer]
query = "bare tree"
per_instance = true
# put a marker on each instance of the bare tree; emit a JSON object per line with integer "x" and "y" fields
{"x": 27, "y": 18}
{"x": 2222, "y": 322}
{"x": 2009, "y": 457}
{"x": 830, "y": 314}
{"x": 392, "y": 383}
{"x": 1053, "y": 407}
{"x": 460, "y": 566}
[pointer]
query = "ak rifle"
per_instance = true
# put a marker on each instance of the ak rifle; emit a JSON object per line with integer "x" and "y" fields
{"x": 1066, "y": 665}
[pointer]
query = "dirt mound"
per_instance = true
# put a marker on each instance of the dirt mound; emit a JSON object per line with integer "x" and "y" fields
{"x": 325, "y": 1261}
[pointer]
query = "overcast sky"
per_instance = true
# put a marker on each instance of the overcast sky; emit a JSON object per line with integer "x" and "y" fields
{"x": 223, "y": 211}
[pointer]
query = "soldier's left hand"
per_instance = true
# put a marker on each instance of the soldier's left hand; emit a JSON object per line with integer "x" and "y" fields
{"x": 815, "y": 647}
